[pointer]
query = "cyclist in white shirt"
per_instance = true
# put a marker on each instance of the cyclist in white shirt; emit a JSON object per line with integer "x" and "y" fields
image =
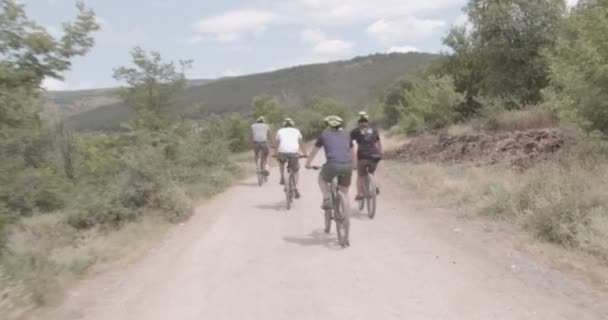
{"x": 289, "y": 143}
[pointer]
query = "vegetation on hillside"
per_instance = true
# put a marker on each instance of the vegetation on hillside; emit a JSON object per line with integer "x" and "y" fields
{"x": 355, "y": 82}
{"x": 520, "y": 64}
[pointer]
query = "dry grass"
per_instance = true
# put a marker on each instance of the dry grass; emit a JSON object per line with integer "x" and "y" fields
{"x": 531, "y": 118}
{"x": 562, "y": 205}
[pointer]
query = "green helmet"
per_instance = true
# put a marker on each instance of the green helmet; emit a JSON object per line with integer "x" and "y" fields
{"x": 261, "y": 119}
{"x": 334, "y": 121}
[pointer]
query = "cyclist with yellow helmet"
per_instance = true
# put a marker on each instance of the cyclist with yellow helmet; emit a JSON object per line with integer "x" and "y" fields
{"x": 339, "y": 156}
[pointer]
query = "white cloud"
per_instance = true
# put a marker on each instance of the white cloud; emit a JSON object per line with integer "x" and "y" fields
{"x": 52, "y": 84}
{"x": 321, "y": 45}
{"x": 333, "y": 47}
{"x": 232, "y": 72}
{"x": 404, "y": 28}
{"x": 402, "y": 49}
{"x": 341, "y": 12}
{"x": 312, "y": 36}
{"x": 232, "y": 25}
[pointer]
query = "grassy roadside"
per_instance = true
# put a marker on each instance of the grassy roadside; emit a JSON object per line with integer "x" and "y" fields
{"x": 559, "y": 205}
{"x": 48, "y": 255}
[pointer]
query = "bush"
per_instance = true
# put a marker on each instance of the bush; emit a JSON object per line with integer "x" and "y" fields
{"x": 430, "y": 104}
{"x": 511, "y": 120}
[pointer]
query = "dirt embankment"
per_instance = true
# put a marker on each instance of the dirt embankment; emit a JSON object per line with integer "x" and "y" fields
{"x": 519, "y": 148}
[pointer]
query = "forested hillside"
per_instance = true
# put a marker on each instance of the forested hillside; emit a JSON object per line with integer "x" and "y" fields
{"x": 356, "y": 82}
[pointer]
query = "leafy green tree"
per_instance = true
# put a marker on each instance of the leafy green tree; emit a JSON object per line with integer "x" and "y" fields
{"x": 393, "y": 99}
{"x": 28, "y": 55}
{"x": 501, "y": 56}
{"x": 152, "y": 86}
{"x": 267, "y": 106}
{"x": 579, "y": 67}
{"x": 431, "y": 103}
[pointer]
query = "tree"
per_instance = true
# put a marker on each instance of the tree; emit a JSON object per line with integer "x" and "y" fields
{"x": 30, "y": 54}
{"x": 430, "y": 103}
{"x": 153, "y": 84}
{"x": 501, "y": 56}
{"x": 579, "y": 67}
{"x": 266, "y": 106}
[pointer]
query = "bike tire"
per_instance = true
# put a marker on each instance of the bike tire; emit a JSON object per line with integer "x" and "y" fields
{"x": 339, "y": 217}
{"x": 371, "y": 197}
{"x": 328, "y": 218}
{"x": 259, "y": 172}
{"x": 289, "y": 194}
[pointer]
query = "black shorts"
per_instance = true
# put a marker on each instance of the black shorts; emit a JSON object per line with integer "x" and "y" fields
{"x": 293, "y": 158}
{"x": 366, "y": 165}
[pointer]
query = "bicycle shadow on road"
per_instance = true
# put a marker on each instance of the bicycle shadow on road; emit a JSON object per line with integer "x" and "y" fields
{"x": 316, "y": 238}
{"x": 355, "y": 213}
{"x": 248, "y": 184}
{"x": 279, "y": 206}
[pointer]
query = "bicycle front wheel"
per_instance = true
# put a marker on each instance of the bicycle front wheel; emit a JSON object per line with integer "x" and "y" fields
{"x": 341, "y": 218}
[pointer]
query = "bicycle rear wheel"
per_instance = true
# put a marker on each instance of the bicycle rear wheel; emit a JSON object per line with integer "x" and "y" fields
{"x": 289, "y": 190}
{"x": 259, "y": 171}
{"x": 370, "y": 196}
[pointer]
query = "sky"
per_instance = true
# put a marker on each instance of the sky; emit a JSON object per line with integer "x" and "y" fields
{"x": 235, "y": 37}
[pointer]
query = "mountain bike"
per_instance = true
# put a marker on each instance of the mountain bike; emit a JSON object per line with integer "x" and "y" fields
{"x": 260, "y": 170}
{"x": 337, "y": 214}
{"x": 370, "y": 193}
{"x": 290, "y": 185}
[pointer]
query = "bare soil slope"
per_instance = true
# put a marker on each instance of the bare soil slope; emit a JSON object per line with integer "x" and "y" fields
{"x": 520, "y": 148}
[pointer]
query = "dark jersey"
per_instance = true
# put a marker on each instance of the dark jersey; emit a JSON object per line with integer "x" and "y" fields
{"x": 337, "y": 145}
{"x": 366, "y": 138}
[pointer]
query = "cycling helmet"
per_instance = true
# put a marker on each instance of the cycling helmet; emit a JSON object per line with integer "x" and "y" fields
{"x": 261, "y": 119}
{"x": 334, "y": 121}
{"x": 288, "y": 122}
{"x": 363, "y": 115}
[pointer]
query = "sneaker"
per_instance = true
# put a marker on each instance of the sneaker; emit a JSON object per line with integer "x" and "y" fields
{"x": 359, "y": 197}
{"x": 296, "y": 193}
{"x": 326, "y": 204}
{"x": 282, "y": 182}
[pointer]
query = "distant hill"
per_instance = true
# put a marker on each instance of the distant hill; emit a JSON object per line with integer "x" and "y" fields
{"x": 357, "y": 82}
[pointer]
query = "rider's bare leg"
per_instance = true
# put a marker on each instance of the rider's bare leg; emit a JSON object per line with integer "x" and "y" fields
{"x": 324, "y": 188}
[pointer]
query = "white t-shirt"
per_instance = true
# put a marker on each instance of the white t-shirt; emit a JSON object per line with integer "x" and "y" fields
{"x": 289, "y": 140}
{"x": 260, "y": 132}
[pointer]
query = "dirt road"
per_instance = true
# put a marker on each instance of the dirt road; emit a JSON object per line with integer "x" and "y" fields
{"x": 244, "y": 257}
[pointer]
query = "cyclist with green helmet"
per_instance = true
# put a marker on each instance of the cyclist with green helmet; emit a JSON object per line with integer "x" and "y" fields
{"x": 259, "y": 137}
{"x": 288, "y": 144}
{"x": 369, "y": 150}
{"x": 339, "y": 156}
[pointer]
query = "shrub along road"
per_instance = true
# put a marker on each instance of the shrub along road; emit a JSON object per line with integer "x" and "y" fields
{"x": 242, "y": 256}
